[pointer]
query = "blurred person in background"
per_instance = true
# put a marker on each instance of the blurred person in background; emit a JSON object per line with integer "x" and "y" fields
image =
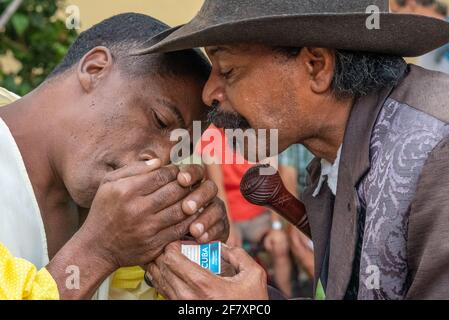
{"x": 293, "y": 164}
{"x": 251, "y": 226}
{"x": 437, "y": 60}
{"x": 442, "y": 9}
{"x": 430, "y": 8}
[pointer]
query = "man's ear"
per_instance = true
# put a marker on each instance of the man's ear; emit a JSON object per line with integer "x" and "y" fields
{"x": 93, "y": 67}
{"x": 320, "y": 66}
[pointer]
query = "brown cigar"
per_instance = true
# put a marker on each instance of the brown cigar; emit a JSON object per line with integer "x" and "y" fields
{"x": 269, "y": 191}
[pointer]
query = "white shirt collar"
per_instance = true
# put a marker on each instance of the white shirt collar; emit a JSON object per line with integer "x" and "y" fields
{"x": 330, "y": 171}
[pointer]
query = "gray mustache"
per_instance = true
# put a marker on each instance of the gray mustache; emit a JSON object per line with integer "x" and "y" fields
{"x": 226, "y": 120}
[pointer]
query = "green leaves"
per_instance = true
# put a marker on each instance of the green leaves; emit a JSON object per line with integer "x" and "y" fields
{"x": 37, "y": 39}
{"x": 20, "y": 23}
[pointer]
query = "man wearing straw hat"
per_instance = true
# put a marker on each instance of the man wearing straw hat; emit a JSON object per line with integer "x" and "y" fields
{"x": 330, "y": 75}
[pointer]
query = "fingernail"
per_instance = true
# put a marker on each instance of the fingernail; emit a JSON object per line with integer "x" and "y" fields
{"x": 187, "y": 177}
{"x": 192, "y": 205}
{"x": 205, "y": 237}
{"x": 200, "y": 228}
{"x": 152, "y": 162}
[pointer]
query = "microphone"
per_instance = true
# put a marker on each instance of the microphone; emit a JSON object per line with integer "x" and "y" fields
{"x": 269, "y": 191}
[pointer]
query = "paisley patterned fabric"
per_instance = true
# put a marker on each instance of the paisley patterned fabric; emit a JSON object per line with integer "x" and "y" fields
{"x": 402, "y": 139}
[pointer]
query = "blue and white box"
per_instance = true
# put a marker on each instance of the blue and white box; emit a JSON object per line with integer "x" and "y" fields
{"x": 206, "y": 255}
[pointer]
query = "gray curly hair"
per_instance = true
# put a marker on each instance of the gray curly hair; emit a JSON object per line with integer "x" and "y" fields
{"x": 359, "y": 73}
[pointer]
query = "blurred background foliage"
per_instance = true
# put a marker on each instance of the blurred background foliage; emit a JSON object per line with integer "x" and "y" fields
{"x": 36, "y": 36}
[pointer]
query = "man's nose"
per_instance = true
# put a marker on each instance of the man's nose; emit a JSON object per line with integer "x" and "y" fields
{"x": 161, "y": 152}
{"x": 213, "y": 91}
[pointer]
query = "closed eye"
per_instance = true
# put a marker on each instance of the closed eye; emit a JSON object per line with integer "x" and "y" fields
{"x": 159, "y": 121}
{"x": 227, "y": 74}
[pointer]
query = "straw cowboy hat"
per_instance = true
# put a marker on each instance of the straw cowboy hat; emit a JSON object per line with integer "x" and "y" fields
{"x": 339, "y": 24}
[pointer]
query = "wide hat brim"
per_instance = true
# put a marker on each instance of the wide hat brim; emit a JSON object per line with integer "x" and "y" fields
{"x": 405, "y": 35}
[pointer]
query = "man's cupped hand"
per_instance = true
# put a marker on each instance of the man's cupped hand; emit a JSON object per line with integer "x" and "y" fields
{"x": 177, "y": 278}
{"x": 141, "y": 208}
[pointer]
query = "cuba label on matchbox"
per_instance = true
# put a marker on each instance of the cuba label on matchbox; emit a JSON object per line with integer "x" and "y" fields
{"x": 206, "y": 255}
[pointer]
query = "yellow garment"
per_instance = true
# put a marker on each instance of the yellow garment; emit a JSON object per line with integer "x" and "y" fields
{"x": 128, "y": 278}
{"x": 19, "y": 280}
{"x": 129, "y": 284}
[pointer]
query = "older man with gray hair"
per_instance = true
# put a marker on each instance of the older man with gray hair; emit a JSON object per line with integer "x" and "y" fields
{"x": 330, "y": 75}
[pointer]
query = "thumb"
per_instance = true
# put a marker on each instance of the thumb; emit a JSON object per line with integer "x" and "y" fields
{"x": 247, "y": 270}
{"x": 238, "y": 258}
